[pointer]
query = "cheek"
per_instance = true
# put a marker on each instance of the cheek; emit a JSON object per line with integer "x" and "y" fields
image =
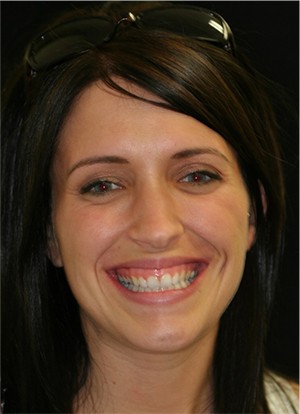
{"x": 84, "y": 235}
{"x": 84, "y": 238}
{"x": 222, "y": 221}
{"x": 223, "y": 224}
{"x": 224, "y": 227}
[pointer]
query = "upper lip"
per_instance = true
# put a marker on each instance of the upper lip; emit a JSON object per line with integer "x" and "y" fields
{"x": 159, "y": 263}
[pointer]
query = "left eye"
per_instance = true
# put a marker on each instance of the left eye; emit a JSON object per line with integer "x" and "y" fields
{"x": 200, "y": 177}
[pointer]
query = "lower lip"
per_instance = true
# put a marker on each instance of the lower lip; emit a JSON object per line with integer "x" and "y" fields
{"x": 160, "y": 297}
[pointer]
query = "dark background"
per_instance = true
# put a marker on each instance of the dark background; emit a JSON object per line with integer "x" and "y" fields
{"x": 269, "y": 32}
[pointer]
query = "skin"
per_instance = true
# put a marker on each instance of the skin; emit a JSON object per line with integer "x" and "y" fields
{"x": 156, "y": 213}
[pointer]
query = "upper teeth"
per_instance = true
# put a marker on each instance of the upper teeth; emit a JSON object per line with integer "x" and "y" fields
{"x": 153, "y": 283}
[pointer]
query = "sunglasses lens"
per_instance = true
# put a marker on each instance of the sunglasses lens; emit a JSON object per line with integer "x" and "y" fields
{"x": 193, "y": 22}
{"x": 67, "y": 40}
{"x": 74, "y": 38}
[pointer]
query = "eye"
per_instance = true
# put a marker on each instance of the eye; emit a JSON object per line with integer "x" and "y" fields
{"x": 200, "y": 177}
{"x": 100, "y": 187}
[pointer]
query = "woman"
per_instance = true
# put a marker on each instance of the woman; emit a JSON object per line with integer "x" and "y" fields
{"x": 144, "y": 205}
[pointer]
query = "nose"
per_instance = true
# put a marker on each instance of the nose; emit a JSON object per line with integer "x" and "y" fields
{"x": 156, "y": 224}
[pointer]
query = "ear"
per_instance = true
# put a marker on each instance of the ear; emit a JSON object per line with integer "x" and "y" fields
{"x": 251, "y": 230}
{"x": 53, "y": 248}
{"x": 252, "y": 216}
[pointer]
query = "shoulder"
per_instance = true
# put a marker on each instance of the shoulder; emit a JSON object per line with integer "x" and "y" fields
{"x": 282, "y": 394}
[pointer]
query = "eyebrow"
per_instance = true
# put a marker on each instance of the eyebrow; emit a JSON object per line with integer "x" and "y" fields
{"x": 108, "y": 159}
{"x": 113, "y": 159}
{"x": 188, "y": 153}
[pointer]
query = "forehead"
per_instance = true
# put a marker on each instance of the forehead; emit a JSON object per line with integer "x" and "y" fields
{"x": 103, "y": 119}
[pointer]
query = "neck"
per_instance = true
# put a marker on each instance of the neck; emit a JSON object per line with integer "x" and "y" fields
{"x": 130, "y": 381}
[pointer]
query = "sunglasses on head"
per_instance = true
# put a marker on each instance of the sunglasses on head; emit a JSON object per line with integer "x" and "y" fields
{"x": 68, "y": 40}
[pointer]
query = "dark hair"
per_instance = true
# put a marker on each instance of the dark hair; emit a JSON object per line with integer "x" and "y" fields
{"x": 46, "y": 360}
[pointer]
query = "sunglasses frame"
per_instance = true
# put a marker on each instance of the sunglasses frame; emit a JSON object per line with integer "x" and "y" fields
{"x": 224, "y": 38}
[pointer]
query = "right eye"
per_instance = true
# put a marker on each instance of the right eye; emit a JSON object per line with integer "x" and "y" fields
{"x": 100, "y": 188}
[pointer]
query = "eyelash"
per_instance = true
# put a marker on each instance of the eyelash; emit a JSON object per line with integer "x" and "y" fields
{"x": 194, "y": 178}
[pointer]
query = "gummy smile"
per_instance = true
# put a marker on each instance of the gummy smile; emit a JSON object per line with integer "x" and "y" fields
{"x": 158, "y": 280}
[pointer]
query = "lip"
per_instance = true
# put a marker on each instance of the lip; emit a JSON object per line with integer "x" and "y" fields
{"x": 158, "y": 267}
{"x": 159, "y": 263}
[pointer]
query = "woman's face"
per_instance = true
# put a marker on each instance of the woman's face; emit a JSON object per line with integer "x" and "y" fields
{"x": 150, "y": 221}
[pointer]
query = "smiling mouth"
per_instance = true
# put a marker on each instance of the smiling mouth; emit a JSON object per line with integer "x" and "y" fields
{"x": 158, "y": 280}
